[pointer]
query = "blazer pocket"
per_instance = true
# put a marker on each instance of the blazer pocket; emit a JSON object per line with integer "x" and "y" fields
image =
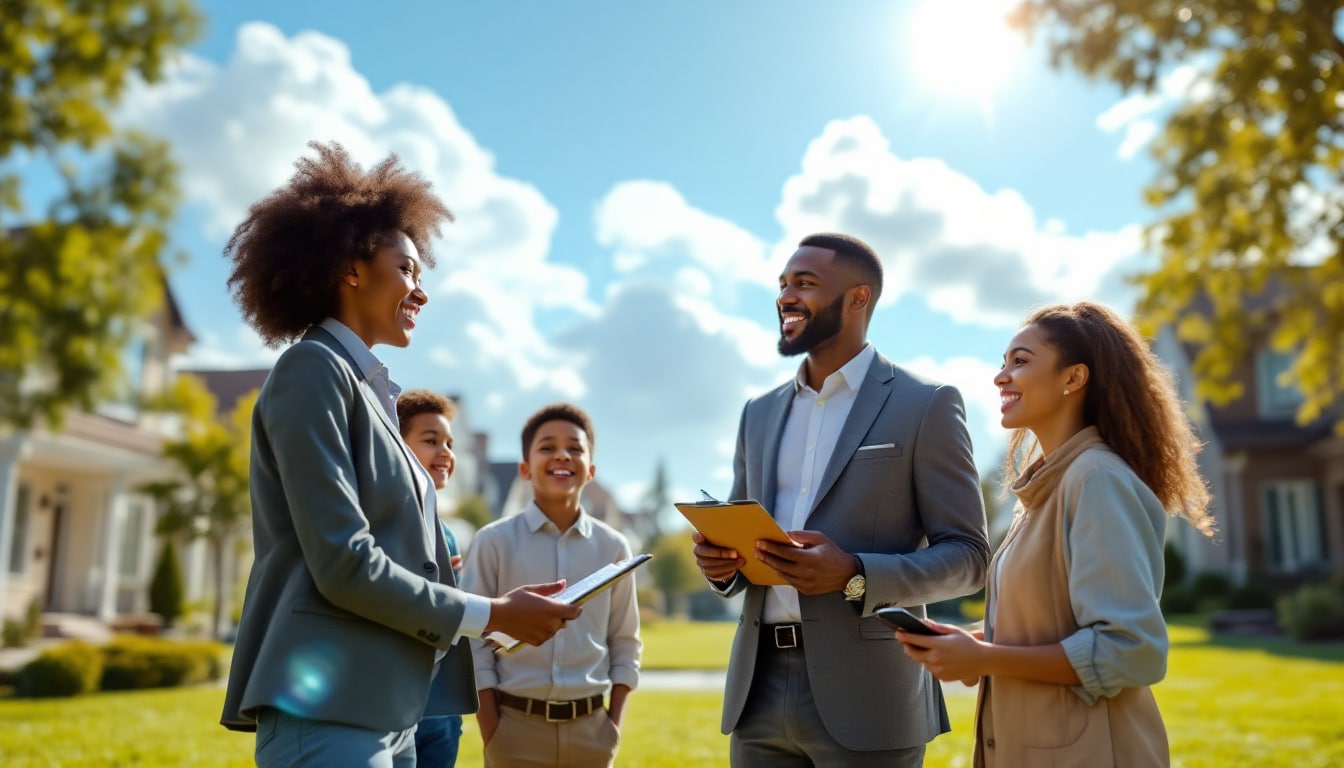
{"x": 876, "y": 453}
{"x": 873, "y": 628}
{"x": 323, "y": 609}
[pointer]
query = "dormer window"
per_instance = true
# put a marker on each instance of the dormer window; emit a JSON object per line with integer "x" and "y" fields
{"x": 1276, "y": 397}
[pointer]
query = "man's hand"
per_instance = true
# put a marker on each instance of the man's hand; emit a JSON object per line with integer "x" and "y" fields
{"x": 817, "y": 567}
{"x": 715, "y": 562}
{"x": 528, "y": 614}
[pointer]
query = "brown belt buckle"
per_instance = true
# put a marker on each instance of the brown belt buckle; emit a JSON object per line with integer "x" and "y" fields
{"x": 573, "y": 711}
{"x": 786, "y": 636}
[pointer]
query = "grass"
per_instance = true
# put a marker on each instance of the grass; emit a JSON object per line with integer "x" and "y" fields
{"x": 1227, "y": 702}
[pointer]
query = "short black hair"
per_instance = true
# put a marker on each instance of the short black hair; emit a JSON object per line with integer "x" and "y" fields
{"x": 854, "y": 252}
{"x": 557, "y": 412}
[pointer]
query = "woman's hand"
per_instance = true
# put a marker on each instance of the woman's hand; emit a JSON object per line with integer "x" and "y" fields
{"x": 953, "y": 654}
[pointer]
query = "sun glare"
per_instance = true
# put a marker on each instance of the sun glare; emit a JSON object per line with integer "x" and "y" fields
{"x": 963, "y": 49}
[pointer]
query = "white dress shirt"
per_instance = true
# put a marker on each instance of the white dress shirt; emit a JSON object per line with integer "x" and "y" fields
{"x": 810, "y": 433}
{"x": 477, "y": 613}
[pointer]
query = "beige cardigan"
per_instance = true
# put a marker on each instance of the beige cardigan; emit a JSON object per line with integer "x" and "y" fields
{"x": 1081, "y": 566}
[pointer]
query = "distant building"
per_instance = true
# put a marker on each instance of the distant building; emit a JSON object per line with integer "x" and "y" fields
{"x": 76, "y": 534}
{"x": 1278, "y": 487}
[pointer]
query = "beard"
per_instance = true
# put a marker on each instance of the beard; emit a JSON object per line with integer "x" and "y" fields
{"x": 825, "y": 325}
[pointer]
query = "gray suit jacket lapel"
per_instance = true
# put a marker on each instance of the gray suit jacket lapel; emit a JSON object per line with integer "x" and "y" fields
{"x": 371, "y": 400}
{"x": 873, "y": 394}
{"x": 774, "y": 430}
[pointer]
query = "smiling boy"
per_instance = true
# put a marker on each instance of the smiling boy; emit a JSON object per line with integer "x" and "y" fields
{"x": 542, "y": 706}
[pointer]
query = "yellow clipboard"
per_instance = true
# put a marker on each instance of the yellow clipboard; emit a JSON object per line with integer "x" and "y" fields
{"x": 737, "y": 525}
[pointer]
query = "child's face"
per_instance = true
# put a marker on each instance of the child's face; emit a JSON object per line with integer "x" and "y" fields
{"x": 431, "y": 440}
{"x": 560, "y": 461}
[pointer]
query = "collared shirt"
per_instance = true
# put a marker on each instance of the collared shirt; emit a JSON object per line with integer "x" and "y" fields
{"x": 591, "y": 653}
{"x": 810, "y": 434}
{"x": 477, "y": 613}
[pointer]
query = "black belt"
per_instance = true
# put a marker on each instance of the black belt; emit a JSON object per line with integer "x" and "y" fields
{"x": 553, "y": 711}
{"x": 782, "y": 636}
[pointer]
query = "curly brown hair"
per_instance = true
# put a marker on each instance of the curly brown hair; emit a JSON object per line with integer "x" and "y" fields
{"x": 414, "y": 402}
{"x": 1132, "y": 400}
{"x": 290, "y": 252}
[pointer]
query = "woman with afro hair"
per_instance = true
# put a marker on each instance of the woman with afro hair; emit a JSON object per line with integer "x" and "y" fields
{"x": 351, "y": 606}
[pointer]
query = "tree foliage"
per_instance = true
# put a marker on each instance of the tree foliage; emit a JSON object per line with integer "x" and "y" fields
{"x": 211, "y": 499}
{"x": 77, "y": 279}
{"x": 673, "y": 569}
{"x": 1250, "y": 165}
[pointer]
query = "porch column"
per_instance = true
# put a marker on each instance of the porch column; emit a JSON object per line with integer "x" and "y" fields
{"x": 12, "y": 452}
{"x": 1235, "y": 506}
{"x": 114, "y": 523}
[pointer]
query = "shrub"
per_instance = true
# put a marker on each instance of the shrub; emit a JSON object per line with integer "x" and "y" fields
{"x": 1250, "y": 595}
{"x": 15, "y": 634}
{"x": 1179, "y": 599}
{"x": 143, "y": 662}
{"x": 1208, "y": 584}
{"x": 1313, "y": 612}
{"x": 66, "y": 670}
{"x": 1175, "y": 565}
{"x": 166, "y": 590}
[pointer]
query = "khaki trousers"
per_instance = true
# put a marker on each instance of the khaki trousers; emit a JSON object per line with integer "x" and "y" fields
{"x": 528, "y": 741}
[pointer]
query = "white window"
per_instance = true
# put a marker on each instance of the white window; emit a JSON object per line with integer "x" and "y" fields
{"x": 133, "y": 532}
{"x": 1275, "y": 396}
{"x": 1294, "y": 526}
{"x": 18, "y": 540}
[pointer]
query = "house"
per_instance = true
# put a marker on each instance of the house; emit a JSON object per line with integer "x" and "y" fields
{"x": 1277, "y": 486}
{"x": 76, "y": 534}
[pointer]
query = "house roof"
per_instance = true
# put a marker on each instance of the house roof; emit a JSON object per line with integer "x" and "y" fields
{"x": 229, "y": 386}
{"x": 1269, "y": 434}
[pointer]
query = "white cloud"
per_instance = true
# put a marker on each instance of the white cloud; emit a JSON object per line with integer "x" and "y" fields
{"x": 974, "y": 378}
{"x": 645, "y": 222}
{"x": 1137, "y": 115}
{"x": 976, "y": 256}
{"x": 236, "y": 347}
{"x": 238, "y": 128}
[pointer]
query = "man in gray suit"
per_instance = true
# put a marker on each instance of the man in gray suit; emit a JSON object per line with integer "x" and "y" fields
{"x": 870, "y": 470}
{"x": 351, "y": 606}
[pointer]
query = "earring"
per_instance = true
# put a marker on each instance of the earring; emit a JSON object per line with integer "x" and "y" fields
{"x": 1066, "y": 393}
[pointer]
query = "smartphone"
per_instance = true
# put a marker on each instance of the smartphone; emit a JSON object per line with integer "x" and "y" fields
{"x": 899, "y": 618}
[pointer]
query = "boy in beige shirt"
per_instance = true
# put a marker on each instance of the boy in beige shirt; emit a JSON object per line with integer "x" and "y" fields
{"x": 543, "y": 705}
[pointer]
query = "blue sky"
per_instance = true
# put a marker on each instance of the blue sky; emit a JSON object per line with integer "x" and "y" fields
{"x": 629, "y": 179}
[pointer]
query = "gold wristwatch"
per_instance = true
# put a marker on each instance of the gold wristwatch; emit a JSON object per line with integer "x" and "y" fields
{"x": 857, "y": 585}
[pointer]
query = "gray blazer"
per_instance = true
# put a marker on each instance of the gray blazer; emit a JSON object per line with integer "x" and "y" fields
{"x": 350, "y": 592}
{"x": 913, "y": 513}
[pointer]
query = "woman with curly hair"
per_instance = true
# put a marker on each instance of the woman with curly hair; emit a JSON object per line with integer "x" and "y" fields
{"x": 351, "y": 606}
{"x": 1073, "y": 635}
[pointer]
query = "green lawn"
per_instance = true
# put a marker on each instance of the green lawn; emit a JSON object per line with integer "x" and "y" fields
{"x": 1227, "y": 702}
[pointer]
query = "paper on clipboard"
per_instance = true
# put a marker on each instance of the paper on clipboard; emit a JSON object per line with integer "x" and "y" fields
{"x": 578, "y": 593}
{"x": 737, "y": 525}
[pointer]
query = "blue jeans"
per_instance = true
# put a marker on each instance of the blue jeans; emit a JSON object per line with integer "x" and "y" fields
{"x": 286, "y": 741}
{"x": 436, "y": 741}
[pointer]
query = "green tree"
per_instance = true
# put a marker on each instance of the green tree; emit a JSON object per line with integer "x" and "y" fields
{"x": 1249, "y": 171}
{"x": 211, "y": 501}
{"x": 655, "y": 502}
{"x": 166, "y": 592}
{"x": 474, "y": 510}
{"x": 77, "y": 280}
{"x": 673, "y": 570}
